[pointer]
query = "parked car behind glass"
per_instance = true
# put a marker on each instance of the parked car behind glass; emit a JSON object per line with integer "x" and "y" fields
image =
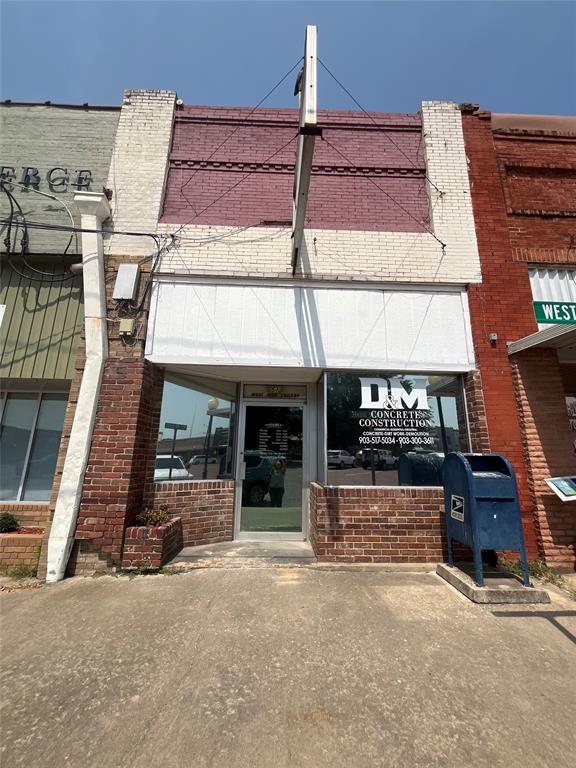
{"x": 341, "y": 459}
{"x": 201, "y": 459}
{"x": 383, "y": 459}
{"x": 163, "y": 465}
{"x": 257, "y": 480}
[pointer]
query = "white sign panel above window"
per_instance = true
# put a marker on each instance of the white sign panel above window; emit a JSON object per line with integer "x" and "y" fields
{"x": 308, "y": 327}
{"x": 275, "y": 391}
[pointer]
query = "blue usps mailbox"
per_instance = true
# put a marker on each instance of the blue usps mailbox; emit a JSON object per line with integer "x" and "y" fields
{"x": 481, "y": 507}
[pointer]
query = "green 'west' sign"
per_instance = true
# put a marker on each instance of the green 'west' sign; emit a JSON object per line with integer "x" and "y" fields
{"x": 555, "y": 311}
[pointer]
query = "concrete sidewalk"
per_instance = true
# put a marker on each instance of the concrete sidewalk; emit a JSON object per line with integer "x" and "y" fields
{"x": 276, "y": 668}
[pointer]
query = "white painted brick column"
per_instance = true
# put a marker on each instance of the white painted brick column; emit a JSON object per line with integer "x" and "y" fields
{"x": 451, "y": 212}
{"x": 139, "y": 167}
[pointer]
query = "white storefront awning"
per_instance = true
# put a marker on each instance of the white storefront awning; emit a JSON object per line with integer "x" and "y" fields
{"x": 559, "y": 337}
{"x": 205, "y": 323}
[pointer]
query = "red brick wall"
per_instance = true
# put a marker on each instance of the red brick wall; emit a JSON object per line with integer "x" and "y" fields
{"x": 86, "y": 559}
{"x": 549, "y": 449}
{"x": 501, "y": 304}
{"x": 534, "y": 190}
{"x": 151, "y": 547}
{"x": 122, "y": 453}
{"x": 19, "y": 549}
{"x": 341, "y": 197}
{"x": 206, "y": 509}
{"x": 538, "y": 174}
{"x": 476, "y": 413}
{"x": 379, "y": 525}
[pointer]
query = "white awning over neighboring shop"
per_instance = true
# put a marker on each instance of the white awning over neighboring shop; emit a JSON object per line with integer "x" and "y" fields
{"x": 559, "y": 337}
{"x": 204, "y": 323}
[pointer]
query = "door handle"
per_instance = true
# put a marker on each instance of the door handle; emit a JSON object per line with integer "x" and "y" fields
{"x": 242, "y": 470}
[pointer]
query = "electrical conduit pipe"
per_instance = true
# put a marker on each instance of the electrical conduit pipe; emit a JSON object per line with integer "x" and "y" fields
{"x": 94, "y": 209}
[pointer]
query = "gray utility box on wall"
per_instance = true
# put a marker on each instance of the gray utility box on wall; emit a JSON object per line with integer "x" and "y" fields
{"x": 481, "y": 507}
{"x": 126, "y": 285}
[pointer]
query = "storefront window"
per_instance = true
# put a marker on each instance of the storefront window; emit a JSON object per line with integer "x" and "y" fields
{"x": 196, "y": 435}
{"x": 392, "y": 428}
{"x": 29, "y": 444}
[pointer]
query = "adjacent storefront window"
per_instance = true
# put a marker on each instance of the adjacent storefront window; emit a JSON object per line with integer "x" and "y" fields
{"x": 392, "y": 428}
{"x": 30, "y": 433}
{"x": 196, "y": 435}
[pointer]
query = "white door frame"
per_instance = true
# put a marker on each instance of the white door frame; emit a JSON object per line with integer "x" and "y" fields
{"x": 306, "y": 470}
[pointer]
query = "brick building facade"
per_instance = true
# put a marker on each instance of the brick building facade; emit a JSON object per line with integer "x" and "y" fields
{"x": 314, "y": 401}
{"x": 523, "y": 183}
{"x": 48, "y": 152}
{"x": 254, "y": 363}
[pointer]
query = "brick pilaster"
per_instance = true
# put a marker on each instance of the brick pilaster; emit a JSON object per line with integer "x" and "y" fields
{"x": 498, "y": 305}
{"x": 122, "y": 453}
{"x": 548, "y": 448}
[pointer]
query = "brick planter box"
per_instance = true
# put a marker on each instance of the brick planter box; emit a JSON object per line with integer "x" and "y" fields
{"x": 20, "y": 549}
{"x": 151, "y": 547}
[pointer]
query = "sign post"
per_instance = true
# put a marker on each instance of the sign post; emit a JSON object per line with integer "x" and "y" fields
{"x": 307, "y": 130}
{"x": 176, "y": 428}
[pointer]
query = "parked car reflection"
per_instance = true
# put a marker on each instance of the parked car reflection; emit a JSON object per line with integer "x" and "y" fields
{"x": 341, "y": 459}
{"x": 165, "y": 463}
{"x": 257, "y": 480}
{"x": 202, "y": 459}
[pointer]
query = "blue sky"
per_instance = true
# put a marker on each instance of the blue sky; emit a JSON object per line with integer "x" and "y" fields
{"x": 514, "y": 56}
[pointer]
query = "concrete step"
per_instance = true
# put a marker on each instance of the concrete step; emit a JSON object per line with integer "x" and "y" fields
{"x": 500, "y": 586}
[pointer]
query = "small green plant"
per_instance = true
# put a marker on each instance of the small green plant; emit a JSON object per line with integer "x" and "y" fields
{"x": 537, "y": 569}
{"x": 8, "y": 523}
{"x": 152, "y": 517}
{"x": 21, "y": 572}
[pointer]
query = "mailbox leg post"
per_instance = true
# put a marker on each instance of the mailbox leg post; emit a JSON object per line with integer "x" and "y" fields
{"x": 524, "y": 563}
{"x": 478, "y": 566}
{"x": 450, "y": 553}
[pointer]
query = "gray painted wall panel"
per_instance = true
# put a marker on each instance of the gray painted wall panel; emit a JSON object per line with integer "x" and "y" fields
{"x": 48, "y": 136}
{"x": 43, "y": 319}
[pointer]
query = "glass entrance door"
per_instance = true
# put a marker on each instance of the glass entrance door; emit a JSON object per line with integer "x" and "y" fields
{"x": 271, "y": 469}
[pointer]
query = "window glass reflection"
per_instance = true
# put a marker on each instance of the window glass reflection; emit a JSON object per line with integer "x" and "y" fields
{"x": 38, "y": 484}
{"x": 29, "y": 444}
{"x": 196, "y": 435}
{"x": 17, "y": 422}
{"x": 391, "y": 428}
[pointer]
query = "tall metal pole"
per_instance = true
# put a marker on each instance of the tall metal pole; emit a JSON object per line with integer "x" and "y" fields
{"x": 172, "y": 455}
{"x": 442, "y": 426}
{"x": 207, "y": 447}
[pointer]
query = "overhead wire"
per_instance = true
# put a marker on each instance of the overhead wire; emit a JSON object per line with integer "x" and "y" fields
{"x": 379, "y": 277}
{"x": 233, "y": 187}
{"x": 50, "y": 276}
{"x": 47, "y": 277}
{"x": 8, "y": 238}
{"x": 58, "y": 200}
{"x": 222, "y": 143}
{"x": 388, "y": 195}
{"x": 333, "y": 76}
{"x": 44, "y": 279}
{"x": 200, "y": 243}
{"x": 14, "y": 220}
{"x": 64, "y": 228}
